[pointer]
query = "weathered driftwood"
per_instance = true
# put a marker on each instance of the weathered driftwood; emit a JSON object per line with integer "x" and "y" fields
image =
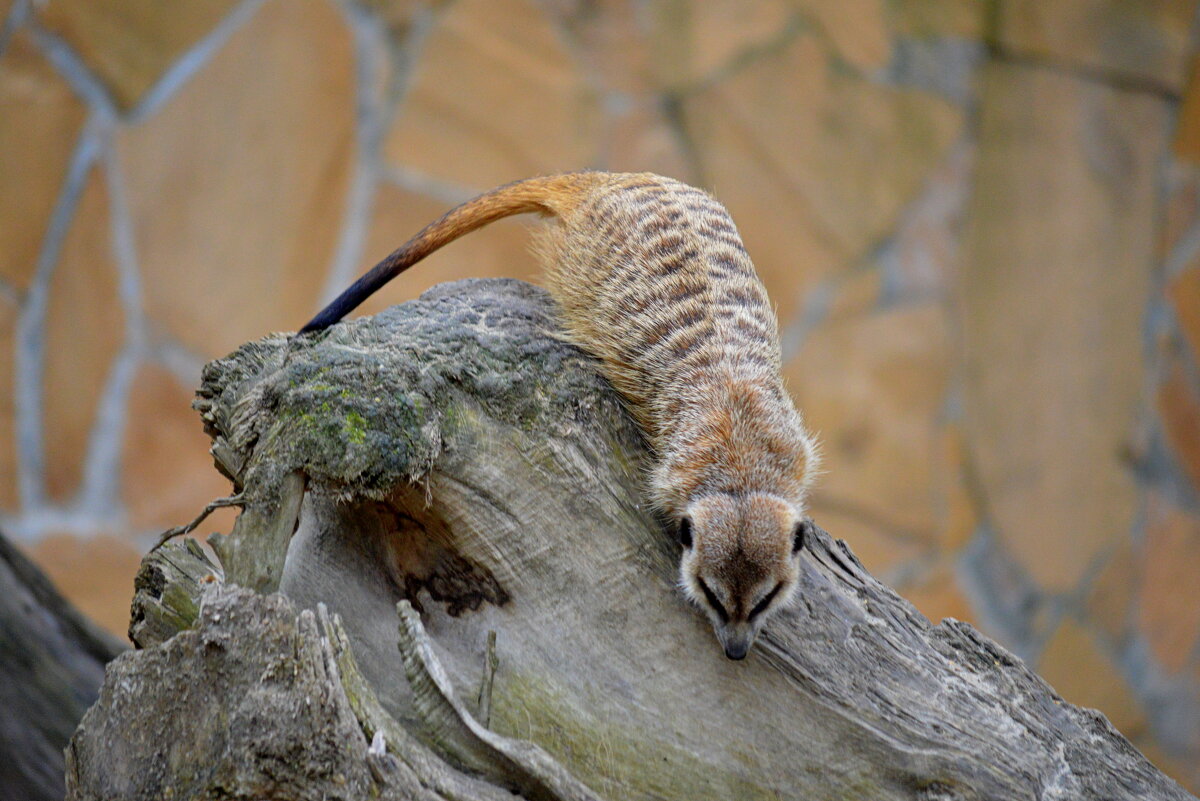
{"x": 51, "y": 665}
{"x": 454, "y": 451}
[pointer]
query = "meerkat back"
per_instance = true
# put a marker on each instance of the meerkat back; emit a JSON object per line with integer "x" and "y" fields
{"x": 653, "y": 279}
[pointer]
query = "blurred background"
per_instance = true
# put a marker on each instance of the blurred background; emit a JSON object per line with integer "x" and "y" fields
{"x": 979, "y": 221}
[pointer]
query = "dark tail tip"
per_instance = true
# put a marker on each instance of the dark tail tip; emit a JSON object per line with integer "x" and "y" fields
{"x": 335, "y": 311}
{"x": 319, "y": 323}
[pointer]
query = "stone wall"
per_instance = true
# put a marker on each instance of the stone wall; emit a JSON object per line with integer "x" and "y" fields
{"x": 980, "y": 222}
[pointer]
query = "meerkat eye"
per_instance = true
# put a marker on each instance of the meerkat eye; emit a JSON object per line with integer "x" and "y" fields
{"x": 685, "y": 531}
{"x": 800, "y": 534}
{"x": 762, "y": 605}
{"x": 713, "y": 602}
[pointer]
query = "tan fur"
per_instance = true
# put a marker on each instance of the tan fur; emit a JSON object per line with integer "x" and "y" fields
{"x": 653, "y": 279}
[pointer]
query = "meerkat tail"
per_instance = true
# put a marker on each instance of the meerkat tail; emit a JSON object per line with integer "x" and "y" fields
{"x": 549, "y": 195}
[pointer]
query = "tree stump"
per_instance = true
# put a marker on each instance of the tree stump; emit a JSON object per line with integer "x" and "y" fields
{"x": 457, "y": 456}
{"x": 52, "y": 662}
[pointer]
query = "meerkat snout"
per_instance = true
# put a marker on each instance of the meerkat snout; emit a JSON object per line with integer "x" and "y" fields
{"x": 741, "y": 562}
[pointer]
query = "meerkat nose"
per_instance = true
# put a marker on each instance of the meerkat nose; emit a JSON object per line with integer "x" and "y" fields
{"x": 737, "y": 649}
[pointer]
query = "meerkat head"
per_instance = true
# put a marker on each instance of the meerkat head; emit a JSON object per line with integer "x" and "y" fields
{"x": 741, "y": 561}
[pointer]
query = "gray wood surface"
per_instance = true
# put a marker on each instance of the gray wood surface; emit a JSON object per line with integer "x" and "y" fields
{"x": 51, "y": 666}
{"x": 455, "y": 452}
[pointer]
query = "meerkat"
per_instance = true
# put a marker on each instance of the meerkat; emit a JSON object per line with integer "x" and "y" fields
{"x": 652, "y": 279}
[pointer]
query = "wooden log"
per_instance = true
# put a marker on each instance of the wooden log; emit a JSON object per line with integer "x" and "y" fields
{"x": 457, "y": 453}
{"x": 51, "y": 663}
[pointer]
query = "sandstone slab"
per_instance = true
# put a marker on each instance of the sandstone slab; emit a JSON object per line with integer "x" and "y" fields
{"x": 84, "y": 332}
{"x": 94, "y": 573}
{"x": 1099, "y": 685}
{"x": 872, "y": 387}
{"x": 1111, "y": 601}
{"x": 397, "y": 14}
{"x": 1187, "y": 127}
{"x": 1178, "y": 405}
{"x": 855, "y": 150}
{"x": 40, "y": 120}
{"x": 720, "y": 33}
{"x": 1183, "y": 292}
{"x": 937, "y": 595}
{"x": 500, "y": 250}
{"x": 815, "y": 164}
{"x": 1146, "y": 39}
{"x": 874, "y": 540}
{"x": 495, "y": 97}
{"x": 8, "y": 439}
{"x": 234, "y": 238}
{"x": 858, "y": 30}
{"x": 1056, "y": 278}
{"x": 618, "y": 45}
{"x": 643, "y": 140}
{"x": 131, "y": 43}
{"x": 1168, "y": 614}
{"x": 938, "y": 18}
{"x": 168, "y": 475}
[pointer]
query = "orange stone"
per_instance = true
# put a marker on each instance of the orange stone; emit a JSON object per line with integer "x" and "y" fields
{"x": 857, "y": 293}
{"x": 1184, "y": 293}
{"x": 495, "y": 97}
{"x": 938, "y": 596}
{"x": 815, "y": 164}
{"x": 1110, "y": 602}
{"x": 1146, "y": 39}
{"x": 617, "y": 45}
{"x": 956, "y": 513}
{"x": 397, "y": 14}
{"x": 640, "y": 49}
{"x": 720, "y": 32}
{"x": 95, "y": 574}
{"x": 8, "y": 440}
{"x": 1084, "y": 674}
{"x": 84, "y": 332}
{"x": 643, "y": 141}
{"x": 1053, "y": 357}
{"x": 935, "y": 18}
{"x": 1179, "y": 409}
{"x": 1179, "y": 767}
{"x": 40, "y": 119}
{"x": 500, "y": 250}
{"x": 857, "y": 30}
{"x": 131, "y": 43}
{"x": 1182, "y": 206}
{"x": 168, "y": 475}
{"x": 857, "y": 152}
{"x": 875, "y": 542}
{"x": 1169, "y": 612}
{"x": 792, "y": 256}
{"x": 1187, "y": 128}
{"x": 872, "y": 388}
{"x": 235, "y": 238}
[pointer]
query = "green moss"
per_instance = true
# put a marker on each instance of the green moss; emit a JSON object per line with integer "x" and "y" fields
{"x": 180, "y": 605}
{"x": 355, "y": 428}
{"x": 353, "y": 409}
{"x": 611, "y": 758}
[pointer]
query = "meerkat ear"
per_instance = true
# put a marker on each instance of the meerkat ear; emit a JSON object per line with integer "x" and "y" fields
{"x": 685, "y": 531}
{"x": 801, "y": 534}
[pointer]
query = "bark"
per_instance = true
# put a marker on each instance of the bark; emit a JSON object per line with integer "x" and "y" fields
{"x": 51, "y": 665}
{"x": 456, "y": 455}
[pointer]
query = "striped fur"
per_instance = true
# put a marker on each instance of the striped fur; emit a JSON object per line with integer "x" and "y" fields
{"x": 653, "y": 279}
